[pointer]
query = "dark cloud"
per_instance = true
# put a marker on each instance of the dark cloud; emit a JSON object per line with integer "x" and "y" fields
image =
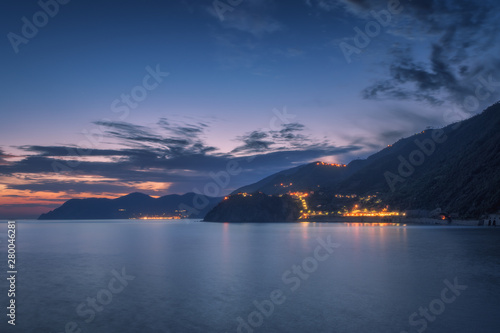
{"x": 436, "y": 82}
{"x": 461, "y": 40}
{"x": 166, "y": 153}
{"x": 3, "y": 156}
{"x": 72, "y": 151}
{"x": 185, "y": 173}
{"x": 173, "y": 140}
{"x": 290, "y": 133}
{"x": 182, "y": 130}
{"x": 287, "y": 138}
{"x": 254, "y": 142}
{"x": 75, "y": 187}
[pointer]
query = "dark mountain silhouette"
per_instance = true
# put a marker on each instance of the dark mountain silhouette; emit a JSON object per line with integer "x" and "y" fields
{"x": 456, "y": 168}
{"x": 306, "y": 177}
{"x": 258, "y": 207}
{"x": 134, "y": 205}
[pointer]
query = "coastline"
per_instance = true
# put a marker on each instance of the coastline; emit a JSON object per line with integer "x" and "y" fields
{"x": 397, "y": 219}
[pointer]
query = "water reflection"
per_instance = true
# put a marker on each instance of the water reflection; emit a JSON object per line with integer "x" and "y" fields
{"x": 372, "y": 224}
{"x": 199, "y": 277}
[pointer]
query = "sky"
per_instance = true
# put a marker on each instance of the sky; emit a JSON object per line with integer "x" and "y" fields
{"x": 105, "y": 98}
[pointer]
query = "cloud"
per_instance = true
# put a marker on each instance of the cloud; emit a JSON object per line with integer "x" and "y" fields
{"x": 442, "y": 48}
{"x": 245, "y": 35}
{"x": 327, "y": 5}
{"x": 289, "y": 137}
{"x": 173, "y": 139}
{"x": 165, "y": 158}
{"x": 438, "y": 83}
{"x": 73, "y": 187}
{"x": 355, "y": 7}
{"x": 68, "y": 151}
{"x": 254, "y": 142}
{"x": 252, "y": 17}
{"x": 168, "y": 154}
{"x": 3, "y": 157}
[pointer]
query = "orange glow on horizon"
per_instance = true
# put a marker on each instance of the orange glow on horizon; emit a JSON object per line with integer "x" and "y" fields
{"x": 35, "y": 202}
{"x": 22, "y": 197}
{"x": 150, "y": 186}
{"x": 374, "y": 224}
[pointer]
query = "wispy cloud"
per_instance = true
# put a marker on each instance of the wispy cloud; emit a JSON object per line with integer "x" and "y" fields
{"x": 289, "y": 137}
{"x": 460, "y": 37}
{"x": 167, "y": 139}
{"x": 170, "y": 156}
{"x": 253, "y": 17}
{"x": 244, "y": 35}
{"x": 3, "y": 157}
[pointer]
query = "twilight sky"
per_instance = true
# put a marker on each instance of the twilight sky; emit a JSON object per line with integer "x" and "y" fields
{"x": 103, "y": 98}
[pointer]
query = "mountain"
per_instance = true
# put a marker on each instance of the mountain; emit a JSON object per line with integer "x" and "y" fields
{"x": 302, "y": 178}
{"x": 257, "y": 207}
{"x": 456, "y": 168}
{"x": 134, "y": 205}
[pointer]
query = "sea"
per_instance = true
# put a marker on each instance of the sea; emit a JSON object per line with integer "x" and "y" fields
{"x": 193, "y": 276}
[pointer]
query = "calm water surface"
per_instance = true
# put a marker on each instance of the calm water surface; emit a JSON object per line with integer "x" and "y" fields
{"x": 190, "y": 276}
